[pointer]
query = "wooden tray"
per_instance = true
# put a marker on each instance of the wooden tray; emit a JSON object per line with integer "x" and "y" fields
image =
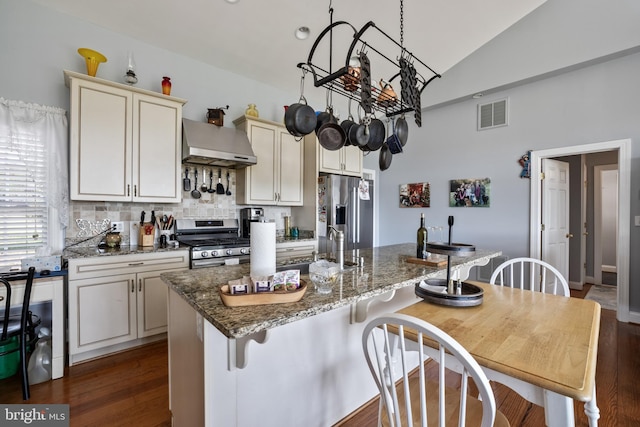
{"x": 275, "y": 297}
{"x": 430, "y": 262}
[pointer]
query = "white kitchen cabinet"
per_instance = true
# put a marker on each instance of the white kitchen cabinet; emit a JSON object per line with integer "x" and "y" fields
{"x": 277, "y": 178}
{"x": 125, "y": 143}
{"x": 345, "y": 161}
{"x": 117, "y": 302}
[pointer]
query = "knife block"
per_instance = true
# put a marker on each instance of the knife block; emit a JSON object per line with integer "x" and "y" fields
{"x": 146, "y": 234}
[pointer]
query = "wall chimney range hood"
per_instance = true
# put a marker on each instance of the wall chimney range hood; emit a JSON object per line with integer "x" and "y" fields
{"x": 207, "y": 144}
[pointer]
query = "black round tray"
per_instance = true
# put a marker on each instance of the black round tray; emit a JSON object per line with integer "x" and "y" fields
{"x": 454, "y": 249}
{"x": 470, "y": 297}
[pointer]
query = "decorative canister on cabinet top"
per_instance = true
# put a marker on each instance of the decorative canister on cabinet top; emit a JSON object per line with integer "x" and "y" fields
{"x": 252, "y": 111}
{"x": 113, "y": 239}
{"x": 166, "y": 85}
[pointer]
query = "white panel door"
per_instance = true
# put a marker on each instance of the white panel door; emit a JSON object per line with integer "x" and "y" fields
{"x": 157, "y": 149}
{"x": 100, "y": 143}
{"x": 262, "y": 185}
{"x": 555, "y": 215}
{"x": 152, "y": 303}
{"x": 291, "y": 169}
{"x": 102, "y": 312}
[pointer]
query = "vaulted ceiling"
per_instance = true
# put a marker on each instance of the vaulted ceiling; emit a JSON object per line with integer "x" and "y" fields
{"x": 256, "y": 38}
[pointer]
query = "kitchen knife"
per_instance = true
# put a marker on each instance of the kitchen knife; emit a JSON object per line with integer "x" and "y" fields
{"x": 142, "y": 217}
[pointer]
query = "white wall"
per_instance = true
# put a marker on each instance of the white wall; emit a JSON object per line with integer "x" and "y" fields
{"x": 37, "y": 43}
{"x": 594, "y": 104}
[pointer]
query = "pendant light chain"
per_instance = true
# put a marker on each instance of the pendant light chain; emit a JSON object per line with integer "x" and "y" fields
{"x": 402, "y": 25}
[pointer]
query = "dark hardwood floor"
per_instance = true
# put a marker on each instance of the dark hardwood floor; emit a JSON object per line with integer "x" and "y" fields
{"x": 131, "y": 388}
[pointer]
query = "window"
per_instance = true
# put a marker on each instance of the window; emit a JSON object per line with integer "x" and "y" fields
{"x": 23, "y": 203}
{"x": 29, "y": 189}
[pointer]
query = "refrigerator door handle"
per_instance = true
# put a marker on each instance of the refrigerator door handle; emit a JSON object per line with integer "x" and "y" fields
{"x": 356, "y": 216}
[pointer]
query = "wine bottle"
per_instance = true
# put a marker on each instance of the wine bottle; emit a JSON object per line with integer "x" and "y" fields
{"x": 421, "y": 250}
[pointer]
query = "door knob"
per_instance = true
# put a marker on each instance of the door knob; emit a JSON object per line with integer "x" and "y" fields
{"x": 569, "y": 235}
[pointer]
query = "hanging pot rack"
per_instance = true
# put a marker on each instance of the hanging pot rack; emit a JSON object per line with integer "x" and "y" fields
{"x": 333, "y": 80}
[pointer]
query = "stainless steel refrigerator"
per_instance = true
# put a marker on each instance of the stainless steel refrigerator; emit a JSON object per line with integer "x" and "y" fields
{"x": 347, "y": 204}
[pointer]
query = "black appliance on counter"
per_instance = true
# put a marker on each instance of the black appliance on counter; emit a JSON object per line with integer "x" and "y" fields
{"x": 247, "y": 216}
{"x": 212, "y": 241}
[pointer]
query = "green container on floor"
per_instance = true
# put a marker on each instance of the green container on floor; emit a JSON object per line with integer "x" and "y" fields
{"x": 9, "y": 362}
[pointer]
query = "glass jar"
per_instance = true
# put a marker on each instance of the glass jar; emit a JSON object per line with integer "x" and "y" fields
{"x": 113, "y": 239}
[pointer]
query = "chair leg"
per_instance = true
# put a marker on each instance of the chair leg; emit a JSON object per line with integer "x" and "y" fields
{"x": 23, "y": 365}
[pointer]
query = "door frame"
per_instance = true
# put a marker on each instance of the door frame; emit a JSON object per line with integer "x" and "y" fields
{"x": 623, "y": 146}
{"x": 597, "y": 217}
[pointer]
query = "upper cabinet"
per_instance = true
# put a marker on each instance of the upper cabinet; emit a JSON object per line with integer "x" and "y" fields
{"x": 277, "y": 178}
{"x": 125, "y": 143}
{"x": 345, "y": 161}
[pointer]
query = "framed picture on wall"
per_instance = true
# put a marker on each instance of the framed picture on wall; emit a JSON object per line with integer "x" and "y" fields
{"x": 416, "y": 195}
{"x": 470, "y": 192}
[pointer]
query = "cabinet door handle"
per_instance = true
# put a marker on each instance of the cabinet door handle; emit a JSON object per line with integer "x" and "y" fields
{"x": 139, "y": 285}
{"x": 136, "y": 263}
{"x": 133, "y": 286}
{"x": 128, "y": 190}
{"x": 135, "y": 191}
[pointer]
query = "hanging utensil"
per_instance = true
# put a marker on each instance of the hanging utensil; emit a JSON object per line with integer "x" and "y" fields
{"x": 195, "y": 193}
{"x": 402, "y": 129}
{"x": 203, "y": 187}
{"x": 228, "y": 192}
{"x": 385, "y": 157}
{"x": 186, "y": 182}
{"x": 365, "y": 83}
{"x": 220, "y": 187}
{"x": 211, "y": 190}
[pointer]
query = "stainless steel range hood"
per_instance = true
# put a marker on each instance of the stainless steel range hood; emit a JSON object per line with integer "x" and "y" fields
{"x": 208, "y": 144}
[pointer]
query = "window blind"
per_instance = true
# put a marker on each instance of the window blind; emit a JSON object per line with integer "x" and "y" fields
{"x": 23, "y": 197}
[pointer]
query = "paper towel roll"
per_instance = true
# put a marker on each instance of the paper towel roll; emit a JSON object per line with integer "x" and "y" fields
{"x": 263, "y": 248}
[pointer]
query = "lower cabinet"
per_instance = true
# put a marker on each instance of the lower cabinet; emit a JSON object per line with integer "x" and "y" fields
{"x": 117, "y": 302}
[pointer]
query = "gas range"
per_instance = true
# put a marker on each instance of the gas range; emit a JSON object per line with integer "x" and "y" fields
{"x": 212, "y": 241}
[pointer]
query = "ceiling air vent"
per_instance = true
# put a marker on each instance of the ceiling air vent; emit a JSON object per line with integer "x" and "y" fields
{"x": 492, "y": 115}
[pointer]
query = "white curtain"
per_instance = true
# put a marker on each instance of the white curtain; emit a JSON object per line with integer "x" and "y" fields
{"x": 48, "y": 124}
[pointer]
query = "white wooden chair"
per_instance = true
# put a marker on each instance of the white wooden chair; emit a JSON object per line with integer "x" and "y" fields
{"x": 534, "y": 274}
{"x": 390, "y": 347}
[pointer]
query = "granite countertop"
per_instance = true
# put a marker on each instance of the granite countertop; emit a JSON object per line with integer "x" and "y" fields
{"x": 385, "y": 269}
{"x": 93, "y": 251}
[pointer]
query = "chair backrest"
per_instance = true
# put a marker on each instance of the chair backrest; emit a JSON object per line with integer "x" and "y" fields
{"x": 533, "y": 274}
{"x": 390, "y": 347}
{"x": 25, "y": 300}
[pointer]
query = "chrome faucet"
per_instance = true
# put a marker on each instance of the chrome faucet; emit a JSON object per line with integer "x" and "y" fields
{"x": 338, "y": 236}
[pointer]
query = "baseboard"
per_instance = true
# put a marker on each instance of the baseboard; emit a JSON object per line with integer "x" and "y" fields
{"x": 634, "y": 317}
{"x": 590, "y": 279}
{"x": 111, "y": 350}
{"x": 576, "y": 286}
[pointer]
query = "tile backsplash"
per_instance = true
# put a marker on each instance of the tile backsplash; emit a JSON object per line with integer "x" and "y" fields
{"x": 209, "y": 205}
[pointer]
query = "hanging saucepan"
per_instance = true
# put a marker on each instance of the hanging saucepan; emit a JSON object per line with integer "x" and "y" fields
{"x": 330, "y": 135}
{"x": 347, "y": 124}
{"x": 300, "y": 119}
{"x": 385, "y": 157}
{"x": 359, "y": 133}
{"x": 402, "y": 130}
{"x": 376, "y": 134}
{"x": 393, "y": 142}
{"x": 325, "y": 116}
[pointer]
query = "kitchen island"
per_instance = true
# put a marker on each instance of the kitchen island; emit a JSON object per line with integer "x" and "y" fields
{"x": 305, "y": 365}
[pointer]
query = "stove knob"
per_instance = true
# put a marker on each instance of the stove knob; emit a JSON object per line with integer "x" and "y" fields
{"x": 214, "y": 253}
{"x": 229, "y": 251}
{"x": 204, "y": 254}
{"x": 244, "y": 251}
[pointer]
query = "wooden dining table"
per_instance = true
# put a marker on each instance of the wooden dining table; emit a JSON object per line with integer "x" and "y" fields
{"x": 542, "y": 346}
